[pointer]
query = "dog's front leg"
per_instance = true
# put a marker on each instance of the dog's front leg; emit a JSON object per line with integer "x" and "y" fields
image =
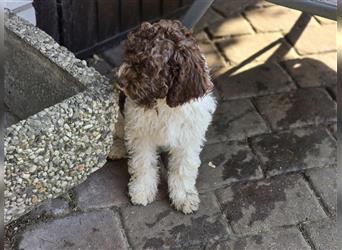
{"x": 143, "y": 169}
{"x": 183, "y": 168}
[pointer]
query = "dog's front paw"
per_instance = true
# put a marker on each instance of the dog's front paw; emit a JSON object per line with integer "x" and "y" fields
{"x": 186, "y": 202}
{"x": 141, "y": 192}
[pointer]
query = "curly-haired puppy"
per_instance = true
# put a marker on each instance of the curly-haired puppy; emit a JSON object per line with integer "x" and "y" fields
{"x": 169, "y": 105}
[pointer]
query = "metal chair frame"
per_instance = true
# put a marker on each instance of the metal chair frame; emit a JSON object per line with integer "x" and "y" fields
{"x": 323, "y": 8}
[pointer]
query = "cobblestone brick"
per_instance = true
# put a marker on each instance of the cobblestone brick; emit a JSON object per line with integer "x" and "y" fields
{"x": 93, "y": 230}
{"x": 295, "y": 150}
{"x": 229, "y": 8}
{"x": 100, "y": 65}
{"x": 259, "y": 206}
{"x": 282, "y": 239}
{"x": 324, "y": 182}
{"x": 215, "y": 61}
{"x": 314, "y": 71}
{"x": 324, "y": 21}
{"x": 211, "y": 16}
{"x": 296, "y": 109}
{"x": 323, "y": 235}
{"x": 158, "y": 226}
{"x": 251, "y": 44}
{"x": 290, "y": 238}
{"x": 316, "y": 39}
{"x": 232, "y": 161}
{"x": 201, "y": 36}
{"x": 234, "y": 25}
{"x": 54, "y": 207}
{"x": 254, "y": 81}
{"x": 333, "y": 90}
{"x": 274, "y": 18}
{"x": 262, "y": 4}
{"x": 113, "y": 56}
{"x": 106, "y": 187}
{"x": 235, "y": 120}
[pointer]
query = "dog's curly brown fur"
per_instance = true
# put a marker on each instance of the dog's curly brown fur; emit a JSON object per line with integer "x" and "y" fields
{"x": 163, "y": 60}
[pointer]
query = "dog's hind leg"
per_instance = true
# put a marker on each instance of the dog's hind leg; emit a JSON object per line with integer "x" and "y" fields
{"x": 183, "y": 168}
{"x": 143, "y": 169}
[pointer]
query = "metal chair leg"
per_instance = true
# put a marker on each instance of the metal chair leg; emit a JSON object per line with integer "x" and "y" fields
{"x": 195, "y": 12}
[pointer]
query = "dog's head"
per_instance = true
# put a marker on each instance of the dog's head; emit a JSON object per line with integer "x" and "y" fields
{"x": 163, "y": 60}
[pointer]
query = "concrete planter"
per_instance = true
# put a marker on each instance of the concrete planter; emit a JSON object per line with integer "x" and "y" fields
{"x": 67, "y": 114}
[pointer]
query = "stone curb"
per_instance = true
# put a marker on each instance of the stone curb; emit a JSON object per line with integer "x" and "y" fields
{"x": 55, "y": 149}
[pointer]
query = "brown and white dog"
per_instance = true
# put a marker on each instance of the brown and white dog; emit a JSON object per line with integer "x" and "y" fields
{"x": 169, "y": 105}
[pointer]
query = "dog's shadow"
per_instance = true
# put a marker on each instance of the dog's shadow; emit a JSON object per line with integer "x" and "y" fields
{"x": 232, "y": 89}
{"x": 309, "y": 72}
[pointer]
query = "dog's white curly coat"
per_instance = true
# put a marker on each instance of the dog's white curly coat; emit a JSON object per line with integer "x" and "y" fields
{"x": 180, "y": 130}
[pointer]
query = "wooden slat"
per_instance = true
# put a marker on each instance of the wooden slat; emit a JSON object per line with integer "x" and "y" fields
{"x": 170, "y": 6}
{"x": 130, "y": 14}
{"x": 187, "y": 2}
{"x": 151, "y": 9}
{"x": 65, "y": 22}
{"x": 44, "y": 9}
{"x": 107, "y": 18}
{"x": 84, "y": 23}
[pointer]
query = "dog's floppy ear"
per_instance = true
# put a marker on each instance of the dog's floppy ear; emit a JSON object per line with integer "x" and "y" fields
{"x": 189, "y": 76}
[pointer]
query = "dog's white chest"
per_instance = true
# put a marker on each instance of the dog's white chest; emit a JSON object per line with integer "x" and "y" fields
{"x": 169, "y": 126}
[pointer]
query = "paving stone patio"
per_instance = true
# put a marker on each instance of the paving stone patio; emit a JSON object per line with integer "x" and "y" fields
{"x": 272, "y": 141}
